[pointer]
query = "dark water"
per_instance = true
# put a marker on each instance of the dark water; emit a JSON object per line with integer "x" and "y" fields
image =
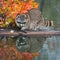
{"x": 51, "y": 47}
{"x": 51, "y": 11}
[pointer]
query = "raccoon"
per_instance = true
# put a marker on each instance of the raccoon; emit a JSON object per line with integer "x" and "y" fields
{"x": 30, "y": 21}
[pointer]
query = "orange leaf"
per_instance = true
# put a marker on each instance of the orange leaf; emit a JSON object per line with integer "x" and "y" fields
{"x": 9, "y": 1}
{"x": 19, "y": 55}
{"x": 14, "y": 15}
{"x": 35, "y": 54}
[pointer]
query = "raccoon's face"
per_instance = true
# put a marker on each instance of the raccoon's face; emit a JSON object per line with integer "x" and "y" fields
{"x": 21, "y": 20}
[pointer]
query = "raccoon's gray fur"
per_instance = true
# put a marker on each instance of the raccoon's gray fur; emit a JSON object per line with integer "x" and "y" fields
{"x": 35, "y": 19}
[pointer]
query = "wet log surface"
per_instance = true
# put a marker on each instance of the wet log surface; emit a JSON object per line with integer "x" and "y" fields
{"x": 29, "y": 33}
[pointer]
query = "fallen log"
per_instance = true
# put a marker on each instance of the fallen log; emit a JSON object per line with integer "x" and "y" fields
{"x": 29, "y": 33}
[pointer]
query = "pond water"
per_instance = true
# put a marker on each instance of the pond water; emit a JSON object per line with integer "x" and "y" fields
{"x": 50, "y": 49}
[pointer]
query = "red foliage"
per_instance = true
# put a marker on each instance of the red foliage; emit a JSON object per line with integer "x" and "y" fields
{"x": 11, "y": 53}
{"x": 27, "y": 56}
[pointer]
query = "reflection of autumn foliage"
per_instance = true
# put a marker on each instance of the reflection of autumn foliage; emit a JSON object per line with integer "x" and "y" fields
{"x": 1, "y": 54}
{"x": 27, "y": 56}
{"x": 10, "y": 53}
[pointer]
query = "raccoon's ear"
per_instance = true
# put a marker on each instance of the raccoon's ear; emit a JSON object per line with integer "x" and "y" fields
{"x": 26, "y": 16}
